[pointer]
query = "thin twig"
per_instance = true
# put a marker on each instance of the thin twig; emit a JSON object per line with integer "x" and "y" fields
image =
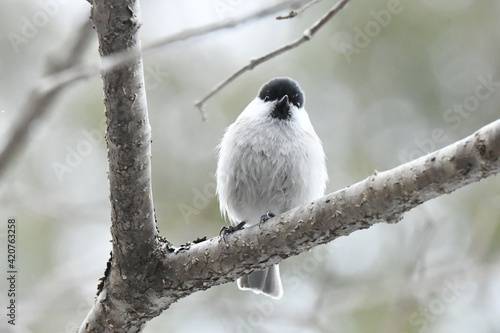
{"x": 306, "y": 36}
{"x": 296, "y": 12}
{"x": 48, "y": 87}
{"x": 114, "y": 60}
{"x": 42, "y": 96}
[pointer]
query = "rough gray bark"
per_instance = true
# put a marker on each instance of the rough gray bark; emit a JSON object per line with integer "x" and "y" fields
{"x": 382, "y": 197}
{"x": 146, "y": 274}
{"x": 128, "y": 135}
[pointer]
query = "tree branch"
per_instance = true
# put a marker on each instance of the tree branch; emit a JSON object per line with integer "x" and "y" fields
{"x": 296, "y": 12}
{"x": 170, "y": 274}
{"x": 128, "y": 136}
{"x": 111, "y": 61}
{"x": 42, "y": 96}
{"x": 45, "y": 91}
{"x": 382, "y": 197}
{"x": 306, "y": 36}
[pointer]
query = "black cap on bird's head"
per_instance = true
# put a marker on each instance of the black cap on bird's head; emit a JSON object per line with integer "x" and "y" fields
{"x": 284, "y": 92}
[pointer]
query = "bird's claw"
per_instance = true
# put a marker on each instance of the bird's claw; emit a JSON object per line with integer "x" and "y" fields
{"x": 229, "y": 229}
{"x": 266, "y": 216}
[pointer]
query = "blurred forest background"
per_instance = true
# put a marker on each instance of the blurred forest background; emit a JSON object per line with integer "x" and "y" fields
{"x": 385, "y": 82}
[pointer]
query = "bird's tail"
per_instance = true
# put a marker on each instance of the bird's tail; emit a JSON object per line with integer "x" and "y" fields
{"x": 267, "y": 282}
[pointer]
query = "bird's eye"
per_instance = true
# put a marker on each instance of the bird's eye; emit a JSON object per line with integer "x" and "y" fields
{"x": 266, "y": 98}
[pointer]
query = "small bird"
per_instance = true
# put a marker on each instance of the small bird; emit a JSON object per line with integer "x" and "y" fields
{"x": 270, "y": 160}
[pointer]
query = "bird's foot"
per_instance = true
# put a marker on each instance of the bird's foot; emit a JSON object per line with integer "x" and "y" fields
{"x": 229, "y": 229}
{"x": 266, "y": 216}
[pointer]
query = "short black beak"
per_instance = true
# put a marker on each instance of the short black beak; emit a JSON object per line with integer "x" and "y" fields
{"x": 282, "y": 109}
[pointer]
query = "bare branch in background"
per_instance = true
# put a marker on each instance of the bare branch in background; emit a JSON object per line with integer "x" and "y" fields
{"x": 70, "y": 71}
{"x": 42, "y": 96}
{"x": 226, "y": 24}
{"x": 306, "y": 36}
{"x": 114, "y": 60}
{"x": 111, "y": 61}
{"x": 296, "y": 12}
